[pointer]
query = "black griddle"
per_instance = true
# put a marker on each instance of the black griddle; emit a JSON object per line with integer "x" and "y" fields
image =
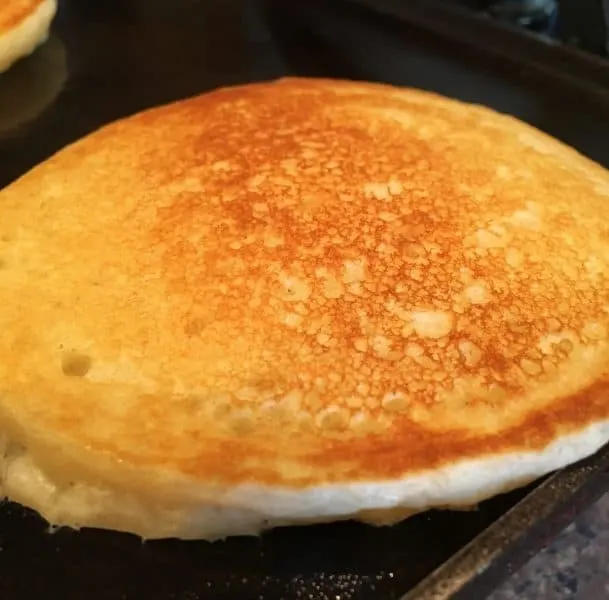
{"x": 110, "y": 58}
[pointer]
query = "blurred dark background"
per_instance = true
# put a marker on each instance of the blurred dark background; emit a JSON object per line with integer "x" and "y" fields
{"x": 582, "y": 23}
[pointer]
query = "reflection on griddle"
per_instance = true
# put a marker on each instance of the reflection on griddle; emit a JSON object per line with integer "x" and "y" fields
{"x": 31, "y": 85}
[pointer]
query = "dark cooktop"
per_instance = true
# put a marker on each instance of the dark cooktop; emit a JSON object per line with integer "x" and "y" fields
{"x": 581, "y": 23}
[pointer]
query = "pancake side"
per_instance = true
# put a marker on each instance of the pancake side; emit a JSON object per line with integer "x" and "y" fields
{"x": 295, "y": 302}
{"x": 24, "y": 25}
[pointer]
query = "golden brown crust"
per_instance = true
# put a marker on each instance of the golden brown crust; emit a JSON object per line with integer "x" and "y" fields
{"x": 306, "y": 282}
{"x": 14, "y": 12}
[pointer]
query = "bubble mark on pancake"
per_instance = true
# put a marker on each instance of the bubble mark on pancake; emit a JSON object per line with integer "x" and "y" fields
{"x": 394, "y": 402}
{"x": 333, "y": 418}
{"x": 432, "y": 324}
{"x": 470, "y": 353}
{"x": 478, "y": 293}
{"x": 75, "y": 364}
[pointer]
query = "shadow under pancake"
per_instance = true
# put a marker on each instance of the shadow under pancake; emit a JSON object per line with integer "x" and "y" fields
{"x": 31, "y": 85}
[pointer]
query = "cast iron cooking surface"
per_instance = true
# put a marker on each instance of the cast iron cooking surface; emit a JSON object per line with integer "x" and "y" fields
{"x": 109, "y": 59}
{"x": 346, "y": 560}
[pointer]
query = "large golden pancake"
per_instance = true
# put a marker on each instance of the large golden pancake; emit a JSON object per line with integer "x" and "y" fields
{"x": 295, "y": 302}
{"x": 24, "y": 25}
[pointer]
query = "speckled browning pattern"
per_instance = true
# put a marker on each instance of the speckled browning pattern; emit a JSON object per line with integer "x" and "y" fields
{"x": 305, "y": 282}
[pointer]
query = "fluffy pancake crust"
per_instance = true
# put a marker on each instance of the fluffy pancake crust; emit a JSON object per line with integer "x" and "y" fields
{"x": 299, "y": 301}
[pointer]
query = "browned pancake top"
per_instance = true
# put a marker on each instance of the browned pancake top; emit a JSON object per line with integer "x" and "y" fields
{"x": 306, "y": 281}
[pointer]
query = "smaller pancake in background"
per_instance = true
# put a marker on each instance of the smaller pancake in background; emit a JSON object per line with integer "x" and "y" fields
{"x": 24, "y": 25}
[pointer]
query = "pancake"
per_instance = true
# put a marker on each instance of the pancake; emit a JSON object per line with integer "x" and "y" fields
{"x": 296, "y": 302}
{"x": 24, "y": 25}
